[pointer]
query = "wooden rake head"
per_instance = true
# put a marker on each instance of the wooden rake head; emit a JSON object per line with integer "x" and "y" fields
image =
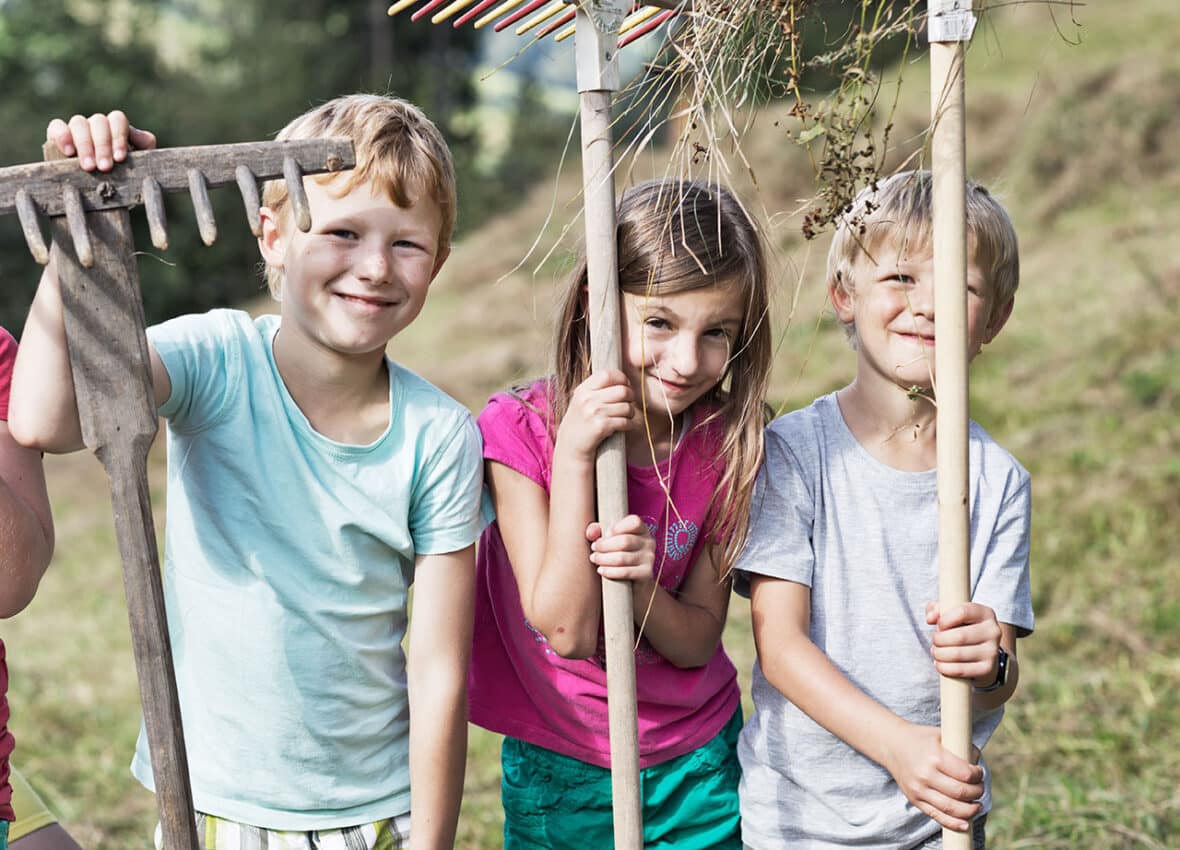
{"x": 548, "y": 16}
{"x": 60, "y": 187}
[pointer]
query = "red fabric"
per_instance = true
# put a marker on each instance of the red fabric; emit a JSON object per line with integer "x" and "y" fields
{"x": 7, "y": 356}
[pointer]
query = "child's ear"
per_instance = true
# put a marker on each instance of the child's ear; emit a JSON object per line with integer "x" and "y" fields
{"x": 842, "y": 298}
{"x": 271, "y": 243}
{"x": 439, "y": 260}
{"x": 1000, "y": 315}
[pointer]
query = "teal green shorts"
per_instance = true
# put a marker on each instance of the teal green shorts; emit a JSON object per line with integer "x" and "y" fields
{"x": 554, "y": 802}
{"x": 3, "y": 835}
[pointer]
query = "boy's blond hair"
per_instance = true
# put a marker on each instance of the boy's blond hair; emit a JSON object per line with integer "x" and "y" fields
{"x": 398, "y": 149}
{"x": 900, "y": 208}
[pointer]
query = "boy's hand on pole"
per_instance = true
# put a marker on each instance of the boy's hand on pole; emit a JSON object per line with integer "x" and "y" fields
{"x": 966, "y": 642}
{"x": 99, "y": 141}
{"x": 939, "y": 783}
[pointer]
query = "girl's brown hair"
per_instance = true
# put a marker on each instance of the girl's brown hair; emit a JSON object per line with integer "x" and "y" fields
{"x": 678, "y": 236}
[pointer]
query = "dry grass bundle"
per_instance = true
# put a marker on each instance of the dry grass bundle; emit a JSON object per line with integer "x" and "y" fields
{"x": 729, "y": 56}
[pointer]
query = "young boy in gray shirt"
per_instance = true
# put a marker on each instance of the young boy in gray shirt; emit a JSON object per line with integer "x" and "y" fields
{"x": 843, "y": 748}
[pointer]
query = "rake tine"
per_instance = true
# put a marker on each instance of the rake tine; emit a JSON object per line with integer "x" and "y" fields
{"x": 482, "y": 6}
{"x": 506, "y": 6}
{"x": 430, "y": 6}
{"x": 153, "y": 204}
{"x": 449, "y": 11}
{"x": 559, "y": 23}
{"x": 293, "y": 174}
{"x": 248, "y": 186}
{"x": 26, "y": 211}
{"x": 399, "y": 6}
{"x": 545, "y": 14}
{"x": 198, "y": 189}
{"x": 644, "y": 29}
{"x": 530, "y": 7}
{"x": 76, "y": 218}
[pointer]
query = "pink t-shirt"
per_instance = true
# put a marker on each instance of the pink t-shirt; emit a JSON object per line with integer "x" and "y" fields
{"x": 7, "y": 356}
{"x": 519, "y": 686}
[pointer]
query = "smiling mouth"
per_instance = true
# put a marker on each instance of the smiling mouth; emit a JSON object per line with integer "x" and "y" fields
{"x": 363, "y": 301}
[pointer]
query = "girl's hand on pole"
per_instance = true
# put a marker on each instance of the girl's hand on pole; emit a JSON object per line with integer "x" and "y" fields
{"x": 626, "y": 553}
{"x": 99, "y": 141}
{"x": 966, "y": 641}
{"x": 601, "y": 405}
{"x": 942, "y": 785}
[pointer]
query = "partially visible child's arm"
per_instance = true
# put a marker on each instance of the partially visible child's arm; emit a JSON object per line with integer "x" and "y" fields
{"x": 440, "y": 647}
{"x": 44, "y": 411}
{"x": 686, "y": 627}
{"x": 26, "y": 524}
{"x": 940, "y": 784}
{"x": 545, "y": 533}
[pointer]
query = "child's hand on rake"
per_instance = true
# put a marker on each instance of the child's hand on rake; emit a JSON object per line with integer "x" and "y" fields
{"x": 99, "y": 141}
{"x": 626, "y": 553}
{"x": 966, "y": 642}
{"x": 601, "y": 405}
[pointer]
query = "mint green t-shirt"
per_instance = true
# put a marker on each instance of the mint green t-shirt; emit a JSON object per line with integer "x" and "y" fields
{"x": 288, "y": 558}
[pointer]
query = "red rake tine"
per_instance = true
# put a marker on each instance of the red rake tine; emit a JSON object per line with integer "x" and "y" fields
{"x": 429, "y": 7}
{"x": 530, "y": 7}
{"x": 555, "y": 8}
{"x": 482, "y": 6}
{"x": 644, "y": 29}
{"x": 559, "y": 23}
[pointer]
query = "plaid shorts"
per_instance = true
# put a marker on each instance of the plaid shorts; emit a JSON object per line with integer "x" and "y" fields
{"x": 214, "y": 833}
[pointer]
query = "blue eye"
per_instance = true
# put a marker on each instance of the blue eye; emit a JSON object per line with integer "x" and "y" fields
{"x": 342, "y": 234}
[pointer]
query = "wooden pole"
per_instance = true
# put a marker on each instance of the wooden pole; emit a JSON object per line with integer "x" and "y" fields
{"x": 108, "y": 350}
{"x": 597, "y": 79}
{"x": 951, "y": 23}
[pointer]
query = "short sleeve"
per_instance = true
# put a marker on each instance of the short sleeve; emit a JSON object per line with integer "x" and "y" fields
{"x": 445, "y": 513}
{"x": 202, "y": 355}
{"x": 782, "y": 518}
{"x": 514, "y": 434}
{"x": 7, "y": 359}
{"x": 1004, "y": 578}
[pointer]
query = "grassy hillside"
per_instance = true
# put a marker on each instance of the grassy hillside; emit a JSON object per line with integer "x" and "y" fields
{"x": 1083, "y": 386}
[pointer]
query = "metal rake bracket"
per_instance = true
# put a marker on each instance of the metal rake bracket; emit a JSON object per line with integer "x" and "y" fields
{"x": 60, "y": 187}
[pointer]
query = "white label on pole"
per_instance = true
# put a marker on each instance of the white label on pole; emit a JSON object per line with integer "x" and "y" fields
{"x": 950, "y": 20}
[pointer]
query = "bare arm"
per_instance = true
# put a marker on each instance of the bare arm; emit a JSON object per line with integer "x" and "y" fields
{"x": 440, "y": 648}
{"x": 44, "y": 411}
{"x": 684, "y": 627}
{"x": 545, "y": 533}
{"x": 559, "y": 591}
{"x": 939, "y": 783}
{"x": 26, "y": 524}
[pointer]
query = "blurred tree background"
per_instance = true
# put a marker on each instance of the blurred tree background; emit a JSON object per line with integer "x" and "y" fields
{"x": 220, "y": 71}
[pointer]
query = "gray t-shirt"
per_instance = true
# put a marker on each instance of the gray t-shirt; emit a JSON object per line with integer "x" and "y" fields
{"x": 864, "y": 537}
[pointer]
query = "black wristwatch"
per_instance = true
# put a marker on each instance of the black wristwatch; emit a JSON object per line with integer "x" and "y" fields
{"x": 1001, "y": 673}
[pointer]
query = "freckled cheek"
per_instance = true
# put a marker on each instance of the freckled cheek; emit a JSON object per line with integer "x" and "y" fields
{"x": 319, "y": 259}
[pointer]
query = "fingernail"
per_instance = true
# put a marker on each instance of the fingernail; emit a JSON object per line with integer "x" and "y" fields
{"x": 88, "y": 162}
{"x": 68, "y": 150}
{"x": 104, "y": 164}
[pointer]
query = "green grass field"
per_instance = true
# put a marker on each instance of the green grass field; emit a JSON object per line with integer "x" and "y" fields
{"x": 1083, "y": 386}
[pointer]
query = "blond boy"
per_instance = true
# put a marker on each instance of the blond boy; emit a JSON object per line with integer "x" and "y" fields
{"x": 311, "y": 479}
{"x": 843, "y": 748}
